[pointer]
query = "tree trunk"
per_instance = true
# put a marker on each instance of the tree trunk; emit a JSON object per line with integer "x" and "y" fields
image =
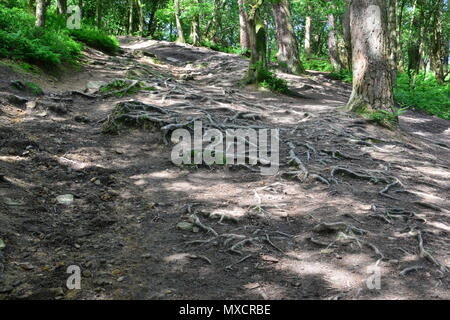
{"x": 32, "y": 6}
{"x": 372, "y": 77}
{"x": 415, "y": 44}
{"x": 99, "y": 13}
{"x": 178, "y": 22}
{"x": 61, "y": 6}
{"x": 399, "y": 51}
{"x": 140, "y": 6}
{"x": 287, "y": 55}
{"x": 130, "y": 16}
{"x": 308, "y": 37}
{"x": 392, "y": 27}
{"x": 41, "y": 8}
{"x": 195, "y": 26}
{"x": 332, "y": 45}
{"x": 347, "y": 34}
{"x": 243, "y": 26}
{"x": 257, "y": 40}
{"x": 437, "y": 44}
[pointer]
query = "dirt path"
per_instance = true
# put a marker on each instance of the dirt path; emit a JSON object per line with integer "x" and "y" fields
{"x": 121, "y": 228}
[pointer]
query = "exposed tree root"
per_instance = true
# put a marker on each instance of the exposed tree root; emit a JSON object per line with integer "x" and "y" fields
{"x": 338, "y": 226}
{"x": 425, "y": 254}
{"x": 196, "y": 221}
{"x": 293, "y": 159}
{"x": 405, "y": 271}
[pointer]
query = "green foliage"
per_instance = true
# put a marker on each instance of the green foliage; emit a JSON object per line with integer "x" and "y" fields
{"x": 343, "y": 75}
{"x": 28, "y": 86}
{"x": 95, "y": 38}
{"x": 21, "y": 40}
{"x": 318, "y": 64}
{"x": 218, "y": 47}
{"x": 267, "y": 79}
{"x": 388, "y": 119}
{"x": 427, "y": 95}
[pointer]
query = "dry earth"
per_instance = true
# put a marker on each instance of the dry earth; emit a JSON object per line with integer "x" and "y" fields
{"x": 256, "y": 237}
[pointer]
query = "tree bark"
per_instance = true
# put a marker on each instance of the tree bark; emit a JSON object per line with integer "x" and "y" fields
{"x": 332, "y": 45}
{"x": 195, "y": 26}
{"x": 257, "y": 40}
{"x": 140, "y": 6}
{"x": 180, "y": 38}
{"x": 130, "y": 16}
{"x": 347, "y": 34}
{"x": 99, "y": 13}
{"x": 372, "y": 77}
{"x": 243, "y": 26}
{"x": 32, "y": 6}
{"x": 392, "y": 27}
{"x": 288, "y": 56}
{"x": 61, "y": 6}
{"x": 41, "y": 8}
{"x": 308, "y": 37}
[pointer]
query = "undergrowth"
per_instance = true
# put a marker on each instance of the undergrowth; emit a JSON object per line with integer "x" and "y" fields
{"x": 47, "y": 47}
{"x": 427, "y": 95}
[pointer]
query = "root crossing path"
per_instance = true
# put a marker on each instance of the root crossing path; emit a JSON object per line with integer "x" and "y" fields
{"x": 351, "y": 203}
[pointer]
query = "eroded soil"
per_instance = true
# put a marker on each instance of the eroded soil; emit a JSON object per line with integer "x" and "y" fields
{"x": 389, "y": 189}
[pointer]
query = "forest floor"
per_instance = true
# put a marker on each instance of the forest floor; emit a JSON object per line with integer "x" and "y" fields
{"x": 259, "y": 237}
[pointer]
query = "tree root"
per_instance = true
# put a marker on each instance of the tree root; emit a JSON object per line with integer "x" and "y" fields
{"x": 293, "y": 159}
{"x": 358, "y": 175}
{"x": 196, "y": 221}
{"x": 242, "y": 243}
{"x": 405, "y": 271}
{"x": 338, "y": 226}
{"x": 425, "y": 254}
{"x": 230, "y": 267}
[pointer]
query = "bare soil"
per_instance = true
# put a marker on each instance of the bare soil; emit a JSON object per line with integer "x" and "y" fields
{"x": 121, "y": 228}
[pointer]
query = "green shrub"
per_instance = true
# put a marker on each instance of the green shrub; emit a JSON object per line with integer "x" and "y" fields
{"x": 318, "y": 64}
{"x": 218, "y": 47}
{"x": 427, "y": 95}
{"x": 21, "y": 40}
{"x": 343, "y": 75}
{"x": 96, "y": 39}
{"x": 267, "y": 79}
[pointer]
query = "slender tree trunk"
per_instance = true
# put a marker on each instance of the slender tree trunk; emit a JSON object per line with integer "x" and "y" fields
{"x": 308, "y": 37}
{"x": 195, "y": 26}
{"x": 61, "y": 6}
{"x": 287, "y": 55}
{"x": 399, "y": 51}
{"x": 332, "y": 45}
{"x": 392, "y": 27}
{"x": 372, "y": 77}
{"x": 32, "y": 6}
{"x": 347, "y": 34}
{"x": 180, "y": 38}
{"x": 130, "y": 16}
{"x": 41, "y": 8}
{"x": 415, "y": 44}
{"x": 257, "y": 40}
{"x": 80, "y": 4}
{"x": 99, "y": 13}
{"x": 140, "y": 6}
{"x": 437, "y": 43}
{"x": 243, "y": 26}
